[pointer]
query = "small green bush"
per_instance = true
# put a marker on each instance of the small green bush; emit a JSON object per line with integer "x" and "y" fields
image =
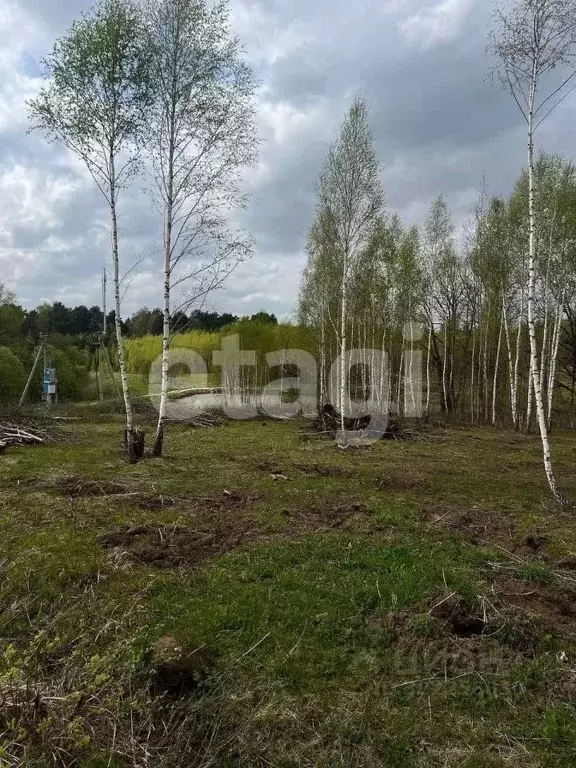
{"x": 12, "y": 376}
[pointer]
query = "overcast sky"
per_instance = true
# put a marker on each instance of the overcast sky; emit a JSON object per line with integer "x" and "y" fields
{"x": 439, "y": 123}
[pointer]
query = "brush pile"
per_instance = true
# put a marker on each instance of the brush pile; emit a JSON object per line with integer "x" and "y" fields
{"x": 328, "y": 423}
{"x": 25, "y": 432}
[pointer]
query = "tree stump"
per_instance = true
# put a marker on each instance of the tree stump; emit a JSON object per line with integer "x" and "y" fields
{"x": 134, "y": 441}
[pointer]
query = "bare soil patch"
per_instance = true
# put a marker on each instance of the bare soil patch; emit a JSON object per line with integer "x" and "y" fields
{"x": 459, "y": 634}
{"x": 459, "y": 617}
{"x": 535, "y": 599}
{"x": 448, "y": 637}
{"x": 172, "y": 546}
{"x": 482, "y": 527}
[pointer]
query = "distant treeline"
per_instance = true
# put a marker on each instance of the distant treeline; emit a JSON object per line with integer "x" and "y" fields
{"x": 72, "y": 332}
{"x": 85, "y": 322}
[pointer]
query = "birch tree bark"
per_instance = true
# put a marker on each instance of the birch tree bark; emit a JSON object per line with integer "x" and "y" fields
{"x": 95, "y": 104}
{"x": 203, "y": 135}
{"x": 533, "y": 39}
{"x": 348, "y": 209}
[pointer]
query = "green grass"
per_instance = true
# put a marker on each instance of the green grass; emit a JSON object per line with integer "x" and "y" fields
{"x": 406, "y": 605}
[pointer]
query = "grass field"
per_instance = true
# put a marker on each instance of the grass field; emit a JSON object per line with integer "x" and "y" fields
{"x": 259, "y": 597}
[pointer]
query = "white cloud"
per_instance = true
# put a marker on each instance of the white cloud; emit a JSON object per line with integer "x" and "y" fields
{"x": 438, "y": 127}
{"x": 436, "y": 24}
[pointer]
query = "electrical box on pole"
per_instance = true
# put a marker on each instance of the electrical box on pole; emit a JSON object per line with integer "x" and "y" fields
{"x": 50, "y": 386}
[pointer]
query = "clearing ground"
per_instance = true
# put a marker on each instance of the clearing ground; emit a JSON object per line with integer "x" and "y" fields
{"x": 259, "y": 597}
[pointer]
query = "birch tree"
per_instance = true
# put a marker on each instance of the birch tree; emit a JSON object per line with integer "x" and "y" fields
{"x": 203, "y": 136}
{"x": 318, "y": 298}
{"x": 349, "y": 203}
{"x": 95, "y": 104}
{"x": 533, "y": 42}
{"x": 444, "y": 293}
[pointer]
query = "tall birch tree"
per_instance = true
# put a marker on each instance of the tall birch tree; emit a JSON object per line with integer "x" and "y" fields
{"x": 349, "y": 203}
{"x": 95, "y": 104}
{"x": 534, "y": 44}
{"x": 203, "y": 136}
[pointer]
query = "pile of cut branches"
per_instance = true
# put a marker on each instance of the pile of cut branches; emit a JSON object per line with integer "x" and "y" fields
{"x": 26, "y": 431}
{"x": 328, "y": 423}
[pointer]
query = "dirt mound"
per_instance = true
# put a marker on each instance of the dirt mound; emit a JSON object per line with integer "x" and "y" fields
{"x": 460, "y": 617}
{"x": 535, "y": 599}
{"x": 482, "y": 527}
{"x": 517, "y": 615}
{"x": 171, "y": 546}
{"x": 179, "y": 667}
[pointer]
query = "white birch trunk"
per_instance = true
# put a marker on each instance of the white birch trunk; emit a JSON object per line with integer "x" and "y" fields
{"x": 342, "y": 381}
{"x": 513, "y": 412}
{"x": 495, "y": 377}
{"x": 540, "y": 413}
{"x": 554, "y": 357}
{"x": 517, "y": 359}
{"x": 117, "y": 319}
{"x": 444, "y": 360}
{"x": 473, "y": 361}
{"x": 485, "y": 366}
{"x": 428, "y": 353}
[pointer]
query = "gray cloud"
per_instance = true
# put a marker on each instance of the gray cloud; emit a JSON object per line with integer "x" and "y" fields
{"x": 439, "y": 126}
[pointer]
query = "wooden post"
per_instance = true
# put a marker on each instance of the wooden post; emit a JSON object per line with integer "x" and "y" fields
{"x": 27, "y": 387}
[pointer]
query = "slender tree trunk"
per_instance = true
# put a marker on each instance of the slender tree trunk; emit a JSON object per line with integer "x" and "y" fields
{"x": 530, "y": 401}
{"x": 544, "y": 359}
{"x": 479, "y": 364}
{"x": 472, "y": 363}
{"x": 342, "y": 382}
{"x": 322, "y": 359}
{"x": 485, "y": 365}
{"x": 451, "y": 387}
{"x": 510, "y": 364}
{"x": 428, "y": 353}
{"x": 381, "y": 387}
{"x": 118, "y": 322}
{"x": 517, "y": 358}
{"x": 399, "y": 398}
{"x": 411, "y": 353}
{"x": 159, "y": 440}
{"x": 540, "y": 413}
{"x": 495, "y": 378}
{"x": 553, "y": 359}
{"x": 444, "y": 361}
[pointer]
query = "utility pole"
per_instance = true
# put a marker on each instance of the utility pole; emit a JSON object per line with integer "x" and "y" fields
{"x": 102, "y": 357}
{"x": 49, "y": 379}
{"x": 31, "y": 376}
